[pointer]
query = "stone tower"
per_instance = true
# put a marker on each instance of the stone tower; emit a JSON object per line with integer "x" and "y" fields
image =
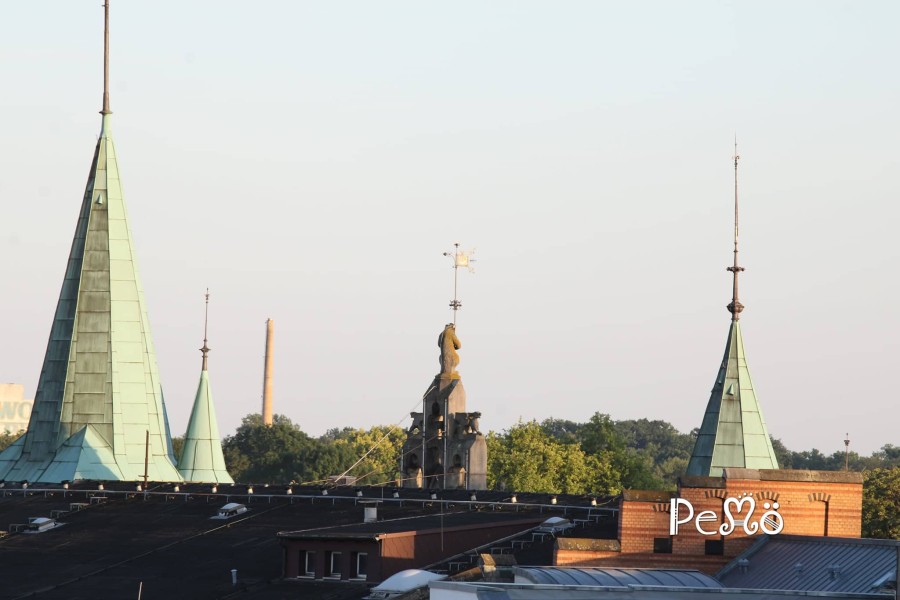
{"x": 444, "y": 447}
{"x": 99, "y": 397}
{"x": 733, "y": 432}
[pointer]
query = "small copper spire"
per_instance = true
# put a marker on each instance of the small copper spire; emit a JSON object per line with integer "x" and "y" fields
{"x": 735, "y": 307}
{"x": 205, "y": 348}
{"x": 106, "y": 110}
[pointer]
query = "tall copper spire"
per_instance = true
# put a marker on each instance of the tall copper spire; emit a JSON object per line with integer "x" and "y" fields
{"x": 205, "y": 348}
{"x": 733, "y": 432}
{"x": 81, "y": 427}
{"x": 735, "y": 307}
{"x": 106, "y": 110}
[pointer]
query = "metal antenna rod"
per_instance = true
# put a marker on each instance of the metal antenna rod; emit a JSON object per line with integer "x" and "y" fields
{"x": 735, "y": 307}
{"x": 847, "y": 452}
{"x": 205, "y": 348}
{"x": 455, "y": 304}
{"x": 106, "y": 110}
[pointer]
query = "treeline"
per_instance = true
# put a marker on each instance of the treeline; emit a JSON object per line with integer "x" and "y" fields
{"x": 600, "y": 456}
{"x": 555, "y": 455}
{"x": 283, "y": 453}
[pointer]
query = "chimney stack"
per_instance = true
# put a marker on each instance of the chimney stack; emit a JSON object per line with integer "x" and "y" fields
{"x": 267, "y": 376}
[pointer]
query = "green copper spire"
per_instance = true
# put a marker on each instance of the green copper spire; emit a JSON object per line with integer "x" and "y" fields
{"x": 733, "y": 433}
{"x": 99, "y": 392}
{"x": 202, "y": 459}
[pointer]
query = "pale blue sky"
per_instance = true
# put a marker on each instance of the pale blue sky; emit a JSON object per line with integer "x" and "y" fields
{"x": 310, "y": 162}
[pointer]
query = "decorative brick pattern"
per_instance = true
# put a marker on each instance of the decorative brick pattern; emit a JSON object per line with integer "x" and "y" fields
{"x": 810, "y": 502}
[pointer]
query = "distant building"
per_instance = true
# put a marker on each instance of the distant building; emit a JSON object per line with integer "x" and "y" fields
{"x": 15, "y": 410}
{"x": 374, "y": 551}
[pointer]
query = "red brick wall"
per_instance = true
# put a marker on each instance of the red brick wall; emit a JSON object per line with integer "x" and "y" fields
{"x": 810, "y": 502}
{"x": 640, "y": 523}
{"x": 582, "y": 558}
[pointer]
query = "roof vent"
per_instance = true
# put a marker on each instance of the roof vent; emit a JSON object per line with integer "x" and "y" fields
{"x": 370, "y": 511}
{"x": 744, "y": 565}
{"x": 40, "y": 524}
{"x": 834, "y": 570}
{"x": 798, "y": 568}
{"x": 232, "y": 509}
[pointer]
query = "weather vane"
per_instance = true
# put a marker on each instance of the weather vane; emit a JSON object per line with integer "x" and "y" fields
{"x": 461, "y": 258}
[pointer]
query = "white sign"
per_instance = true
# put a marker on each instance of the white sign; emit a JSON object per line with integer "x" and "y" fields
{"x": 769, "y": 522}
{"x": 14, "y": 408}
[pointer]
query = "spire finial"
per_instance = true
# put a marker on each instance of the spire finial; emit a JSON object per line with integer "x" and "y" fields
{"x": 205, "y": 348}
{"x": 735, "y": 307}
{"x": 106, "y": 110}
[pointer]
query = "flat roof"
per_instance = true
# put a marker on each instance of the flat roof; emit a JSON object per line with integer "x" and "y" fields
{"x": 453, "y": 521}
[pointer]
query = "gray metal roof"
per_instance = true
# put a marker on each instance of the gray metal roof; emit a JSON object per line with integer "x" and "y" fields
{"x": 614, "y": 577}
{"x": 793, "y": 562}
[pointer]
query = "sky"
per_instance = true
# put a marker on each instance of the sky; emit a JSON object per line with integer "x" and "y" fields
{"x": 311, "y": 162}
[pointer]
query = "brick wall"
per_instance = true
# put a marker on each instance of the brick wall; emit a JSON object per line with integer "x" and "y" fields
{"x": 810, "y": 503}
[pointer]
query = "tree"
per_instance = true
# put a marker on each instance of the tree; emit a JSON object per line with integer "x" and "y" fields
{"x": 279, "y": 453}
{"x": 562, "y": 430}
{"x": 634, "y": 467}
{"x": 376, "y": 449}
{"x": 657, "y": 438}
{"x": 526, "y": 458}
{"x": 177, "y": 446}
{"x": 881, "y": 503}
{"x": 784, "y": 456}
{"x": 7, "y": 439}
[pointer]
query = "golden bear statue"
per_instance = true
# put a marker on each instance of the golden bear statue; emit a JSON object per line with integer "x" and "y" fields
{"x": 449, "y": 344}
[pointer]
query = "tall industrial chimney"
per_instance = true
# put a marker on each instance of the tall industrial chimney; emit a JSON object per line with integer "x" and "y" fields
{"x": 267, "y": 376}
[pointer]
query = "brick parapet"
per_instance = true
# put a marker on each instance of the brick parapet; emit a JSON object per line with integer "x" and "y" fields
{"x": 810, "y": 503}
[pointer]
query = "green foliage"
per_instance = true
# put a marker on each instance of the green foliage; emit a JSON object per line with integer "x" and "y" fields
{"x": 782, "y": 454}
{"x": 881, "y": 503}
{"x": 643, "y": 454}
{"x": 526, "y": 458}
{"x": 277, "y": 454}
{"x": 887, "y": 456}
{"x": 381, "y": 446}
{"x": 177, "y": 446}
{"x": 283, "y": 453}
{"x": 600, "y": 456}
{"x": 7, "y": 439}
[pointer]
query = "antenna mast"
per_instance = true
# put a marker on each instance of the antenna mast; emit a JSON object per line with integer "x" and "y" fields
{"x": 106, "y": 110}
{"x": 455, "y": 304}
{"x": 205, "y": 348}
{"x": 461, "y": 258}
{"x": 735, "y": 307}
